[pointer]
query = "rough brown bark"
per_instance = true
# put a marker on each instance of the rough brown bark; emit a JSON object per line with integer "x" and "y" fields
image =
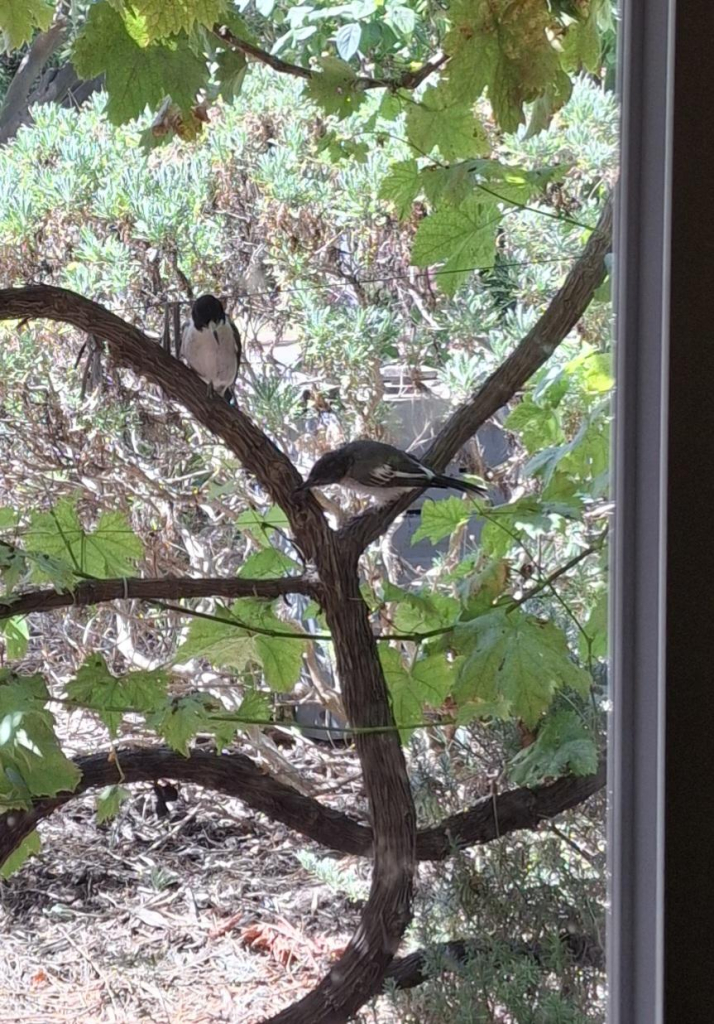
{"x": 238, "y": 776}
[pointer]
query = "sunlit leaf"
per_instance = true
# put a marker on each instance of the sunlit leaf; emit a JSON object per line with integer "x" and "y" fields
{"x": 518, "y": 659}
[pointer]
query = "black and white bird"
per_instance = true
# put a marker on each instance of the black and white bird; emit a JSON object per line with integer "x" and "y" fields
{"x": 210, "y": 344}
{"x": 379, "y": 470}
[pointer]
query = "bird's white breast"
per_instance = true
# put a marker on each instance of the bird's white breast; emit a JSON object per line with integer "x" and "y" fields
{"x": 211, "y": 352}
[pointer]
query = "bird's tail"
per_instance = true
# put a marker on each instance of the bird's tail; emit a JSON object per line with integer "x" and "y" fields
{"x": 458, "y": 485}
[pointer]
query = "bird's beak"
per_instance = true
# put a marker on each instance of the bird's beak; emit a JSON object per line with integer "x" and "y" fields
{"x": 304, "y": 486}
{"x": 215, "y": 335}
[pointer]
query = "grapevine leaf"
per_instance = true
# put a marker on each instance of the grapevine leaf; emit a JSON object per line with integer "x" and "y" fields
{"x": 334, "y": 88}
{"x": 169, "y": 17}
{"x": 31, "y": 760}
{"x": 406, "y": 705}
{"x": 505, "y": 48}
{"x": 260, "y": 527}
{"x": 230, "y": 73}
{"x": 581, "y": 43}
{"x": 440, "y": 518}
{"x": 555, "y": 96}
{"x": 29, "y": 845}
{"x": 109, "y": 550}
{"x": 267, "y": 564}
{"x": 462, "y": 238}
{"x": 418, "y": 612}
{"x": 536, "y": 426}
{"x": 20, "y": 18}
{"x": 518, "y": 659}
{"x": 108, "y": 802}
{"x": 255, "y": 706}
{"x": 96, "y": 688}
{"x": 179, "y": 721}
{"x": 401, "y": 186}
{"x": 438, "y": 121}
{"x": 564, "y": 744}
{"x": 136, "y": 76}
{"x": 17, "y": 634}
{"x": 232, "y": 643}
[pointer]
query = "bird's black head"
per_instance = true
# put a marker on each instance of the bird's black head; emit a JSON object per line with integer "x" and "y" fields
{"x": 207, "y": 309}
{"x": 329, "y": 469}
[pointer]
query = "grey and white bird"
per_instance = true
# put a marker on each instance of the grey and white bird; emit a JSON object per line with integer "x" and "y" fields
{"x": 379, "y": 470}
{"x": 210, "y": 344}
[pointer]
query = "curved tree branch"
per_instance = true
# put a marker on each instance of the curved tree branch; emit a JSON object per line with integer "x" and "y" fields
{"x": 130, "y": 347}
{"x": 237, "y": 775}
{"x": 565, "y": 309}
{"x": 387, "y": 912}
{"x": 409, "y": 80}
{"x": 172, "y": 588}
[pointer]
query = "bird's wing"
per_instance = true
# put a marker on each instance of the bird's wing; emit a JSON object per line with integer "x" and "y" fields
{"x": 236, "y": 338}
{"x": 187, "y": 332}
{"x": 400, "y": 470}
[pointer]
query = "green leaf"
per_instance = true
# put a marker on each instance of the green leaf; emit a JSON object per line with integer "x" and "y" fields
{"x": 419, "y": 612}
{"x": 261, "y": 526}
{"x": 564, "y": 744}
{"x": 581, "y": 49}
{"x": 429, "y": 681}
{"x": 179, "y": 721}
{"x": 8, "y": 518}
{"x": 537, "y": 426}
{"x": 29, "y": 845}
{"x": 108, "y": 802}
{"x": 484, "y": 588}
{"x": 517, "y": 659}
{"x": 94, "y": 687}
{"x": 230, "y": 73}
{"x": 17, "y": 634}
{"x": 403, "y": 19}
{"x": 13, "y": 566}
{"x": 347, "y": 40}
{"x": 440, "y": 518}
{"x": 31, "y": 760}
{"x": 136, "y": 76}
{"x": 169, "y": 17}
{"x": 20, "y": 18}
{"x": 406, "y": 705}
{"x": 503, "y": 47}
{"x": 335, "y": 88}
{"x": 438, "y": 121}
{"x": 555, "y": 96}
{"x": 267, "y": 564}
{"x": 401, "y": 186}
{"x": 528, "y": 518}
{"x": 231, "y": 643}
{"x": 462, "y": 238}
{"x": 111, "y": 549}
{"x": 255, "y": 706}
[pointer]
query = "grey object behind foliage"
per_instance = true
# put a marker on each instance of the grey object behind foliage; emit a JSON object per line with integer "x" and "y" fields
{"x": 418, "y": 415}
